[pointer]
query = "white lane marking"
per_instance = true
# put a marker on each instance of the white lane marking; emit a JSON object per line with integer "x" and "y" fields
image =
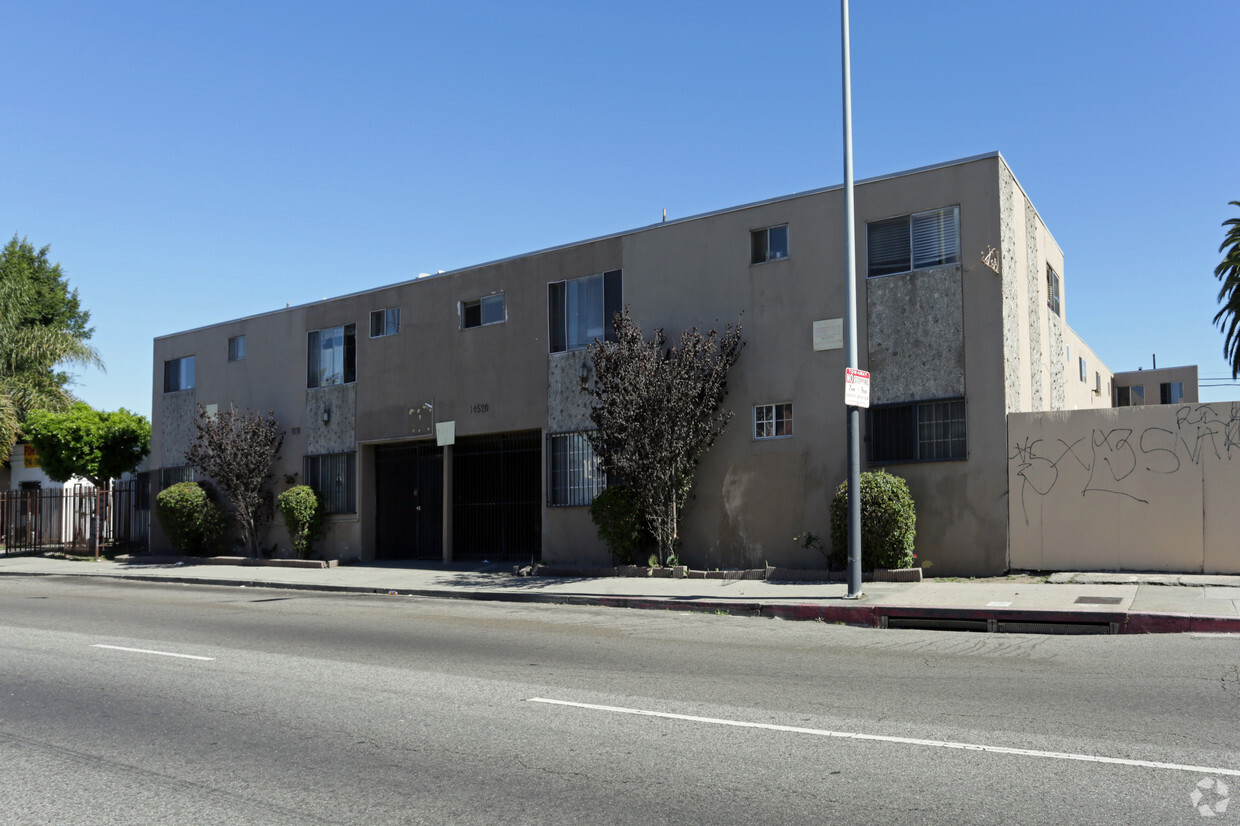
{"x": 911, "y": 741}
{"x": 148, "y": 651}
{"x": 998, "y": 604}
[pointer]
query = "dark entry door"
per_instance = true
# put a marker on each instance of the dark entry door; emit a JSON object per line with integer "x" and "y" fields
{"x": 497, "y": 497}
{"x": 409, "y": 501}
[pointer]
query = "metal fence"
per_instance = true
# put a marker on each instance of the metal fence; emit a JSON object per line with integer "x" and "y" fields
{"x": 34, "y": 521}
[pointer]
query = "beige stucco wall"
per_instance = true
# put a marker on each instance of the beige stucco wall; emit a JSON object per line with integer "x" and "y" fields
{"x": 1135, "y": 488}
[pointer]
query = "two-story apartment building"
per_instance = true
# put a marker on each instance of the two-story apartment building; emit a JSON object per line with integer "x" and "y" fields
{"x": 441, "y": 416}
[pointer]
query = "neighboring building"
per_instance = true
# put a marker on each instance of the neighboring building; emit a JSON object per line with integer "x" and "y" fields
{"x": 468, "y": 382}
{"x": 1165, "y": 385}
{"x": 25, "y": 473}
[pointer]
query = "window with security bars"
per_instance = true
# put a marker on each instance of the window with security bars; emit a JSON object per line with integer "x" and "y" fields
{"x": 930, "y": 431}
{"x": 169, "y": 476}
{"x": 574, "y": 475}
{"x": 1052, "y": 290}
{"x": 913, "y": 242}
{"x": 334, "y": 475}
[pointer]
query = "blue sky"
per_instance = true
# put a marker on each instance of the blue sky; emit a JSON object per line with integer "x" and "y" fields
{"x": 192, "y": 163}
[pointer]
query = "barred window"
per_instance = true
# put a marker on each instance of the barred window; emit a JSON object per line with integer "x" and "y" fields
{"x": 931, "y": 431}
{"x": 334, "y": 476}
{"x": 574, "y": 476}
{"x": 169, "y": 476}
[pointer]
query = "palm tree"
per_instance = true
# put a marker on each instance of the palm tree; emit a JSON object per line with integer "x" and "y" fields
{"x": 28, "y": 355}
{"x": 1228, "y": 271}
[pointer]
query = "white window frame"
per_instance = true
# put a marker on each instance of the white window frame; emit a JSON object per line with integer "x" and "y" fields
{"x": 772, "y": 420}
{"x": 385, "y": 322}
{"x": 761, "y": 249}
{"x": 483, "y": 303}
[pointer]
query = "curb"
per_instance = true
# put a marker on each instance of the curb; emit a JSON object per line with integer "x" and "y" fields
{"x": 865, "y": 616}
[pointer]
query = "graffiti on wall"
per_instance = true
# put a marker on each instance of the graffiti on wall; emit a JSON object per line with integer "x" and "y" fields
{"x": 1113, "y": 460}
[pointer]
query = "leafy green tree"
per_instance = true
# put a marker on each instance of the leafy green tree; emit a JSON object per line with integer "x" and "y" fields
{"x": 1228, "y": 271}
{"x": 656, "y": 410}
{"x": 96, "y": 444}
{"x": 236, "y": 451}
{"x": 42, "y": 327}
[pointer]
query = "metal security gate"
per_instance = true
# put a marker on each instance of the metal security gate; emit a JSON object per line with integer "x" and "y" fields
{"x": 36, "y": 520}
{"x": 496, "y": 497}
{"x": 409, "y": 501}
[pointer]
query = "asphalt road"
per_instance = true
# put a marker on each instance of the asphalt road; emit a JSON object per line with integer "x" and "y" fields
{"x": 287, "y": 707}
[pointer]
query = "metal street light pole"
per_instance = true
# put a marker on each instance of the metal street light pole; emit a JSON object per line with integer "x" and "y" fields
{"x": 850, "y": 332}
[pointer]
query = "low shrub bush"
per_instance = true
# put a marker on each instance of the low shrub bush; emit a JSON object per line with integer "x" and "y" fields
{"x": 302, "y": 508}
{"x": 618, "y": 517}
{"x": 190, "y": 518}
{"x": 888, "y": 523}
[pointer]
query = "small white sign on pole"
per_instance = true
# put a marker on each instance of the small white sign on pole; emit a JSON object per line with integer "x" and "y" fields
{"x": 856, "y": 387}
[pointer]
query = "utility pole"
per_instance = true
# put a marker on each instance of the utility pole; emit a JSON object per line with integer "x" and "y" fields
{"x": 850, "y": 332}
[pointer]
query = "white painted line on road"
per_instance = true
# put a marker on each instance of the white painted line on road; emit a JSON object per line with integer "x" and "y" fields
{"x": 998, "y": 604}
{"x": 148, "y": 651}
{"x": 910, "y": 741}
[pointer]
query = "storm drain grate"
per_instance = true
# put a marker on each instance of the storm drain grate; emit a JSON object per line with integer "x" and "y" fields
{"x": 1099, "y": 600}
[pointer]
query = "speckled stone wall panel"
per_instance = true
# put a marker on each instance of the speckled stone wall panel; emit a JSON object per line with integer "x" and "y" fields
{"x": 1011, "y": 302}
{"x": 916, "y": 335}
{"x": 1035, "y": 268}
{"x": 1057, "y": 360}
{"x": 339, "y": 434}
{"x": 568, "y": 409}
{"x": 176, "y": 426}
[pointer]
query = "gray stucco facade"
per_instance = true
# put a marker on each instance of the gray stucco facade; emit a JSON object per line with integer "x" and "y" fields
{"x": 961, "y": 344}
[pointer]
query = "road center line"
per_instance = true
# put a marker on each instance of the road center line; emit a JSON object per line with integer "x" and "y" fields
{"x": 911, "y": 741}
{"x": 148, "y": 651}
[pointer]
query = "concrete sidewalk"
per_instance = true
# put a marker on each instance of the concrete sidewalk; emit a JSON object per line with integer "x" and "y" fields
{"x": 1066, "y": 603}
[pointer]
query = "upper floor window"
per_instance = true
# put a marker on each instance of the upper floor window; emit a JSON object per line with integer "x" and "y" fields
{"x": 772, "y": 421}
{"x": 581, "y": 310}
{"x": 1097, "y": 384}
{"x": 1052, "y": 290}
{"x": 236, "y": 348}
{"x": 178, "y": 374}
{"x": 331, "y": 356}
{"x": 483, "y": 311}
{"x": 1084, "y": 372}
{"x": 385, "y": 322}
{"x": 768, "y": 244}
{"x": 1171, "y": 392}
{"x": 917, "y": 431}
{"x": 1130, "y": 396}
{"x": 912, "y": 242}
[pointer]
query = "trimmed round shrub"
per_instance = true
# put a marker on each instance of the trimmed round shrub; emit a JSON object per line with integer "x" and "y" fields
{"x": 190, "y": 518}
{"x": 888, "y": 523}
{"x": 618, "y": 517}
{"x": 302, "y": 508}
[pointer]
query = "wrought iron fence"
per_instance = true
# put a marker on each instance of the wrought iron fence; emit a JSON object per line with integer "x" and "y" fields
{"x": 34, "y": 521}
